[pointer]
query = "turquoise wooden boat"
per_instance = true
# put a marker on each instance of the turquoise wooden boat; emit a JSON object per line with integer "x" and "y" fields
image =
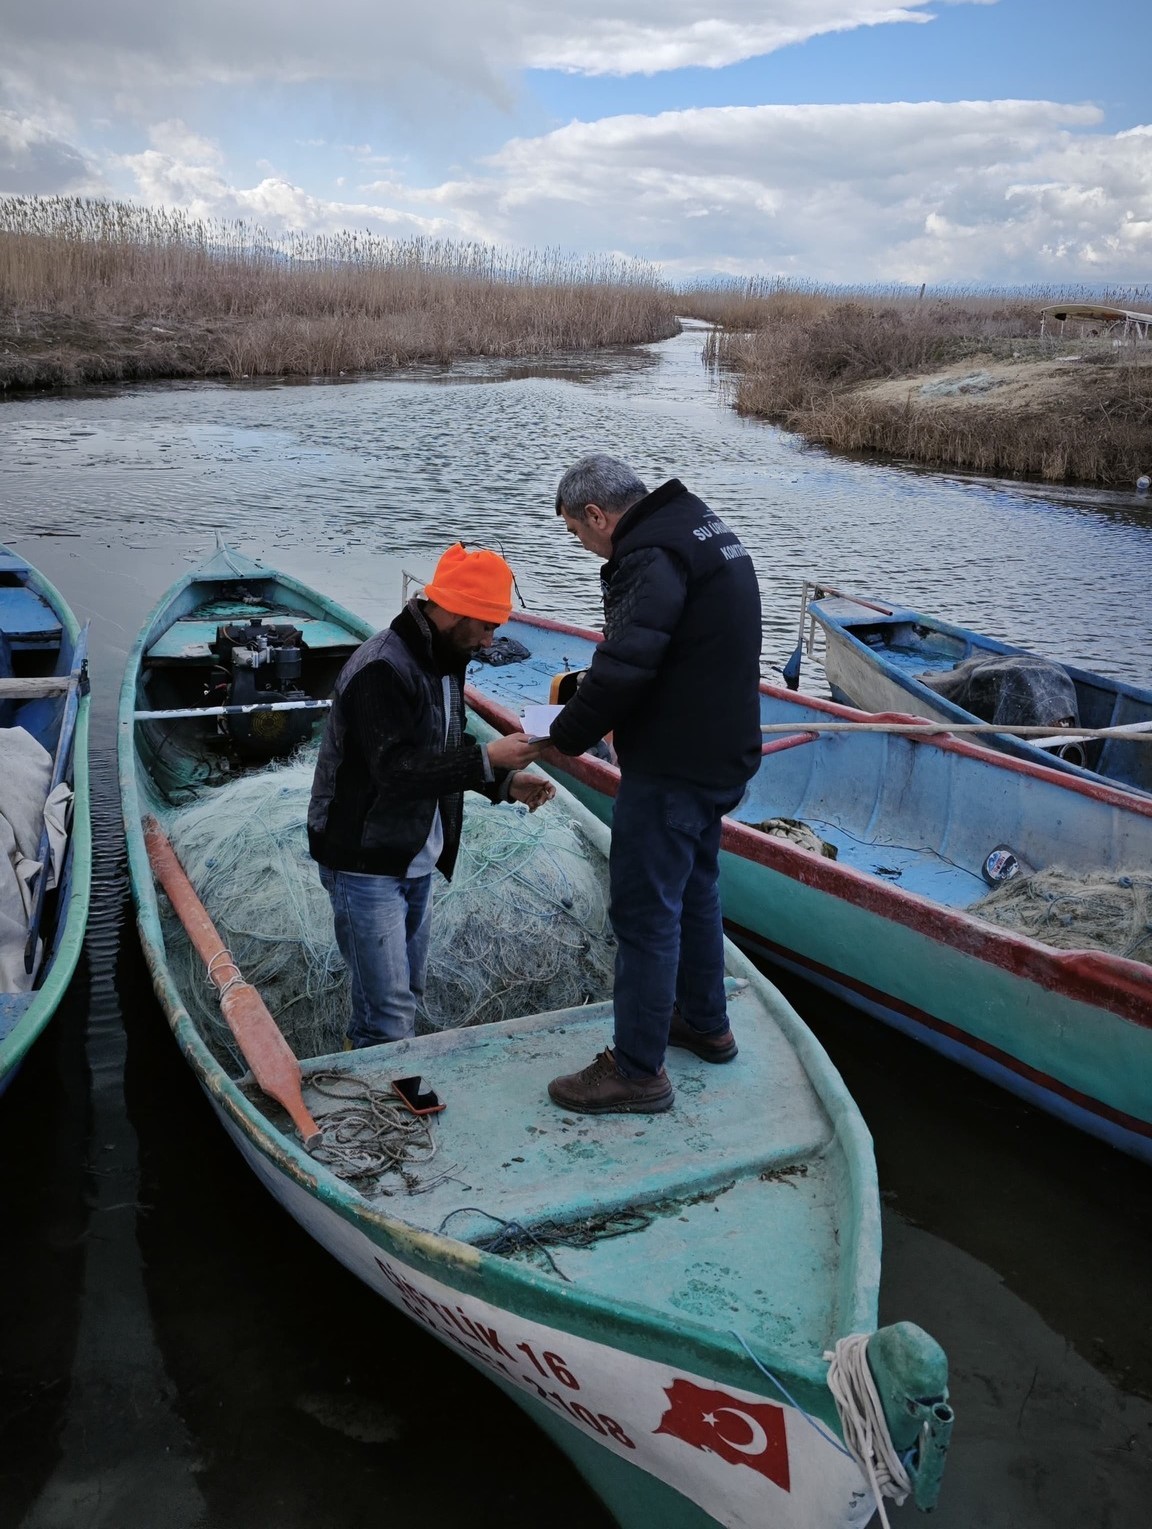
{"x": 875, "y": 657}
{"x": 736, "y": 1236}
{"x": 44, "y": 692}
{"x": 886, "y": 924}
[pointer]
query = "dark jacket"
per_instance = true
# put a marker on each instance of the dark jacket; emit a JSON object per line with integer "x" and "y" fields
{"x": 384, "y": 765}
{"x": 676, "y": 678}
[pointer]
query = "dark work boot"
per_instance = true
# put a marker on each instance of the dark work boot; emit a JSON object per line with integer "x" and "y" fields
{"x": 602, "y": 1089}
{"x": 710, "y": 1045}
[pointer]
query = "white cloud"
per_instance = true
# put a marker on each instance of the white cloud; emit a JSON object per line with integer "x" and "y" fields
{"x": 199, "y": 186}
{"x": 997, "y": 190}
{"x": 968, "y": 191}
{"x": 35, "y": 160}
{"x": 649, "y": 36}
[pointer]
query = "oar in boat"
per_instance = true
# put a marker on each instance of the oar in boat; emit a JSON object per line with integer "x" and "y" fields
{"x": 269, "y": 1055}
{"x": 924, "y": 727}
{"x": 76, "y": 684}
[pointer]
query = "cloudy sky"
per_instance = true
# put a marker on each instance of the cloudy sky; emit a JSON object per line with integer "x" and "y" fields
{"x": 838, "y": 140}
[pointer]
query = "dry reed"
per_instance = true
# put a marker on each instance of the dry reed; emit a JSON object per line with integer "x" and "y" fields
{"x": 808, "y": 358}
{"x": 98, "y": 290}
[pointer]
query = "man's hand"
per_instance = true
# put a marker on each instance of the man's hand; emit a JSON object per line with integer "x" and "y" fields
{"x": 532, "y": 790}
{"x": 513, "y": 752}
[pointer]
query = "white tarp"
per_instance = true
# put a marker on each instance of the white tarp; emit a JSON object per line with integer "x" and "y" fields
{"x": 25, "y": 774}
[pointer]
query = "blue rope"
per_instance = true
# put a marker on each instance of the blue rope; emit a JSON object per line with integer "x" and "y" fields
{"x": 820, "y": 1429}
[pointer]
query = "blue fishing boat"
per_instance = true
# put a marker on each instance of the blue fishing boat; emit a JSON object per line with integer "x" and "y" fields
{"x": 913, "y": 824}
{"x": 659, "y": 1294}
{"x": 886, "y": 658}
{"x": 44, "y": 804}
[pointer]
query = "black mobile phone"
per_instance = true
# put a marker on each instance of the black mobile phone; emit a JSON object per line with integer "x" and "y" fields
{"x": 416, "y": 1094}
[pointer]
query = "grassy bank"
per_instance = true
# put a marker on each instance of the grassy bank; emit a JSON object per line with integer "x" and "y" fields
{"x": 95, "y": 291}
{"x": 949, "y": 379}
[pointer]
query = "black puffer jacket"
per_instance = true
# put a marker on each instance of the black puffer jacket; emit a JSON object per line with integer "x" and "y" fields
{"x": 676, "y": 678}
{"x": 384, "y": 765}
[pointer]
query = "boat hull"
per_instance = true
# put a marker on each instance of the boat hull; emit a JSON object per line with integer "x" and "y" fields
{"x": 1074, "y": 1059}
{"x": 32, "y": 602}
{"x": 869, "y": 678}
{"x": 1069, "y": 1031}
{"x": 606, "y": 1373}
{"x": 611, "y": 1412}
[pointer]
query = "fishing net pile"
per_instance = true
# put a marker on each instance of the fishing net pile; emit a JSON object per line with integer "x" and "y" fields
{"x": 1014, "y": 689}
{"x": 521, "y": 929}
{"x": 799, "y": 833}
{"x": 1077, "y": 912}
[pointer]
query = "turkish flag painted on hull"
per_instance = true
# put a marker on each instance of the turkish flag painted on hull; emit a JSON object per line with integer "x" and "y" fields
{"x": 743, "y": 1433}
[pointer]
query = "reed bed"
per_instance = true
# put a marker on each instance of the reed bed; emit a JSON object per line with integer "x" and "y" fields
{"x": 96, "y": 290}
{"x": 811, "y": 359}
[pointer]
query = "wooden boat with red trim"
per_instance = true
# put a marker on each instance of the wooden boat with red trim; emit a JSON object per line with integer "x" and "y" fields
{"x": 886, "y": 924}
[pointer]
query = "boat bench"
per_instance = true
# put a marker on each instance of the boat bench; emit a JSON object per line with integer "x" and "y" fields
{"x": 27, "y": 620}
{"x": 191, "y": 641}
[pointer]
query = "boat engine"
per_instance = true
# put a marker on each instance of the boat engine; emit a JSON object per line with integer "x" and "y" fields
{"x": 260, "y": 665}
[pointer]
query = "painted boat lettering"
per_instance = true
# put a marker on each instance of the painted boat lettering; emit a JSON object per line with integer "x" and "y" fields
{"x": 459, "y": 1328}
{"x": 746, "y": 1460}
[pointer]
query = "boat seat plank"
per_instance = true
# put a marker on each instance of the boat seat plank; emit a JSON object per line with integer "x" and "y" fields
{"x": 12, "y": 562}
{"x": 190, "y": 641}
{"x": 27, "y": 618}
{"x": 20, "y": 688}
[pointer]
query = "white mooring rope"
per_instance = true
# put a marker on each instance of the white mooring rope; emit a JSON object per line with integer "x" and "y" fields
{"x": 862, "y": 1419}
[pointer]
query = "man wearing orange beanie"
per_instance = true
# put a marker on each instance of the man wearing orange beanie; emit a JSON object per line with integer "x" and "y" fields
{"x": 388, "y": 795}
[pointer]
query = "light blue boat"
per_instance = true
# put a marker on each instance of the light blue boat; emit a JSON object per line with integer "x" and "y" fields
{"x": 876, "y": 656}
{"x": 43, "y": 696}
{"x": 658, "y": 1293}
{"x": 886, "y": 924}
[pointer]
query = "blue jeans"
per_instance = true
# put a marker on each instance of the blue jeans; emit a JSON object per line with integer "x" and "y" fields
{"x": 665, "y": 913}
{"x": 382, "y": 928}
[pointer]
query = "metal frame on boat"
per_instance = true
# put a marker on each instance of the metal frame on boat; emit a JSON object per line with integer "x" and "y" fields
{"x": 1070, "y": 1031}
{"x": 44, "y": 689}
{"x": 680, "y": 1366}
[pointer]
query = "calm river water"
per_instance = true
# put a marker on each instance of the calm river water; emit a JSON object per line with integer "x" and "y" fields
{"x": 176, "y": 1352}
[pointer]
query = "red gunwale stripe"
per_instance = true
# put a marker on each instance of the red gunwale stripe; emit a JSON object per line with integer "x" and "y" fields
{"x": 942, "y": 1027}
{"x": 1091, "y": 977}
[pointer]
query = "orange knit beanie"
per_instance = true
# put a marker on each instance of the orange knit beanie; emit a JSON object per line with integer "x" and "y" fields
{"x": 477, "y": 584}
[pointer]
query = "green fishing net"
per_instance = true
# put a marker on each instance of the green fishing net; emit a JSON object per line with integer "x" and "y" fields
{"x": 522, "y": 928}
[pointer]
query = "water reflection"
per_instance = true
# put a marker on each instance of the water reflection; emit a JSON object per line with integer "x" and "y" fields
{"x": 246, "y": 1380}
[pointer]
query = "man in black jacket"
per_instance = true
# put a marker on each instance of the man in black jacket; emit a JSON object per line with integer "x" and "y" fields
{"x": 387, "y": 800}
{"x": 676, "y": 682}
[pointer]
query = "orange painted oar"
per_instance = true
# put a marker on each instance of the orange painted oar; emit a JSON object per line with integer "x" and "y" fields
{"x": 269, "y": 1055}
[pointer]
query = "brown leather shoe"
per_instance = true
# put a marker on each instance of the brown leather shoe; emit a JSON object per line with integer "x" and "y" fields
{"x": 602, "y": 1089}
{"x": 710, "y": 1046}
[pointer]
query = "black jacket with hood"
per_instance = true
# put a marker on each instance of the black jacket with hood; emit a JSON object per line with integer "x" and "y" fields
{"x": 676, "y": 678}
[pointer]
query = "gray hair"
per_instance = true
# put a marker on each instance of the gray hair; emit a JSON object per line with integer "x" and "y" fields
{"x": 598, "y": 479}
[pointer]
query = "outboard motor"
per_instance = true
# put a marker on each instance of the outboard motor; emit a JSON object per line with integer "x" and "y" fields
{"x": 259, "y": 665}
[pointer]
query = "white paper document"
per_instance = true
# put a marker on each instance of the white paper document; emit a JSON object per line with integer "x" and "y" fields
{"x": 538, "y": 719}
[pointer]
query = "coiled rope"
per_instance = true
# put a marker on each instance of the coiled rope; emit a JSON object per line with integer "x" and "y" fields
{"x": 862, "y": 1419}
{"x": 370, "y": 1132}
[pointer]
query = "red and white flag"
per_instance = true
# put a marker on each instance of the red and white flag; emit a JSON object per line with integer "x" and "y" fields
{"x": 742, "y": 1433}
